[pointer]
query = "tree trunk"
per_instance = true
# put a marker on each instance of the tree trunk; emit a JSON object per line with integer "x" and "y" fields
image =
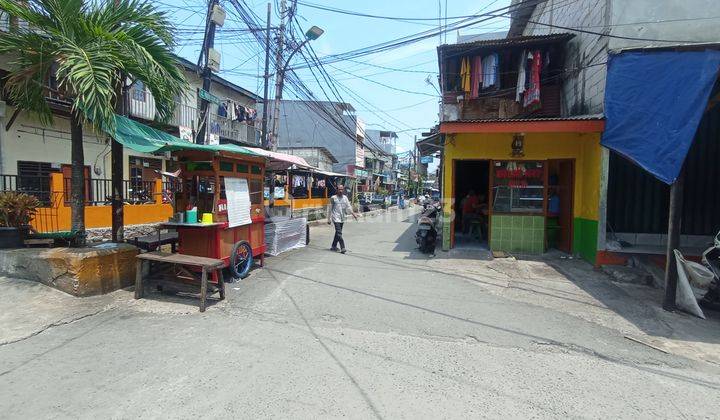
{"x": 77, "y": 180}
{"x": 116, "y": 170}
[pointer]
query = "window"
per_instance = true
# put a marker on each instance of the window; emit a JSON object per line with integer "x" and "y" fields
{"x": 242, "y": 168}
{"x": 138, "y": 91}
{"x": 518, "y": 187}
{"x": 4, "y": 22}
{"x": 256, "y": 170}
{"x": 256, "y": 191}
{"x": 34, "y": 178}
{"x": 226, "y": 166}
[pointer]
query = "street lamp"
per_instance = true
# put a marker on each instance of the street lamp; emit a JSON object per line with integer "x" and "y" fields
{"x": 312, "y": 34}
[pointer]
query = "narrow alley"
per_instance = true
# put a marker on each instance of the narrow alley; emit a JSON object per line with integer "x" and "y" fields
{"x": 382, "y": 331}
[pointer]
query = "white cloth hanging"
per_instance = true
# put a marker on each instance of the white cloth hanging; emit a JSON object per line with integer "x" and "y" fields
{"x": 521, "y": 77}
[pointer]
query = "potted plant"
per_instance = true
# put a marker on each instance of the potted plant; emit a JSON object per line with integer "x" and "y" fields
{"x": 16, "y": 211}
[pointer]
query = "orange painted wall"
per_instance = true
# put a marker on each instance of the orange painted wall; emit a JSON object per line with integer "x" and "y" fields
{"x": 58, "y": 217}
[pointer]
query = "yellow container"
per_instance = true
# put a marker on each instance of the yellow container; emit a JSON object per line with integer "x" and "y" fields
{"x": 207, "y": 218}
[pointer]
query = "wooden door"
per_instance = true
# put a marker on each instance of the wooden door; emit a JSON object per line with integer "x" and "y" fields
{"x": 564, "y": 177}
{"x": 67, "y": 175}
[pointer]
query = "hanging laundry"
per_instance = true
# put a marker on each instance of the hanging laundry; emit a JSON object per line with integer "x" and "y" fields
{"x": 239, "y": 113}
{"x": 223, "y": 110}
{"x": 528, "y": 67}
{"x": 298, "y": 181}
{"x": 476, "y": 76}
{"x": 231, "y": 110}
{"x": 520, "y": 88}
{"x": 465, "y": 71}
{"x": 250, "y": 114}
{"x": 532, "y": 95}
{"x": 491, "y": 66}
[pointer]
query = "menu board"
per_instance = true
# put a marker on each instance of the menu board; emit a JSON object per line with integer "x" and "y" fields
{"x": 518, "y": 187}
{"x": 237, "y": 194}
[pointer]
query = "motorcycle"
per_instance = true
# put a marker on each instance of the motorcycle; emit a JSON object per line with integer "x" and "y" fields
{"x": 711, "y": 259}
{"x": 426, "y": 235}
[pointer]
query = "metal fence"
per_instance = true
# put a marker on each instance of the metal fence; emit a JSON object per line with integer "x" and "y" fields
{"x": 98, "y": 192}
{"x": 36, "y": 185}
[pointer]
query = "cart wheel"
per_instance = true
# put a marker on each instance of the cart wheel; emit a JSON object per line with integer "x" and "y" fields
{"x": 241, "y": 260}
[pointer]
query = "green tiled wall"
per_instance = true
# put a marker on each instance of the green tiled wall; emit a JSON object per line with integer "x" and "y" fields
{"x": 585, "y": 240}
{"x": 520, "y": 234}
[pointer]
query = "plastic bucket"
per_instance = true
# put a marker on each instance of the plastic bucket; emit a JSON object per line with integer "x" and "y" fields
{"x": 207, "y": 218}
{"x": 191, "y": 216}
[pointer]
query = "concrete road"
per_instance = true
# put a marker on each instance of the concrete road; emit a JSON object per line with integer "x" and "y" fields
{"x": 381, "y": 332}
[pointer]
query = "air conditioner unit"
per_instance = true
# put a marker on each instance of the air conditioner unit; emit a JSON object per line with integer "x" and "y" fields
{"x": 214, "y": 60}
{"x": 218, "y": 15}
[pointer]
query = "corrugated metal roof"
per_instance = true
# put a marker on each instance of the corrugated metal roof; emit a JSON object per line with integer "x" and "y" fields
{"x": 508, "y": 42}
{"x": 590, "y": 117}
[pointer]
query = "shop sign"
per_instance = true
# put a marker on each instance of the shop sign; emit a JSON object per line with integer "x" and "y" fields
{"x": 361, "y": 173}
{"x": 186, "y": 133}
{"x": 426, "y": 159}
{"x": 359, "y": 156}
{"x": 204, "y": 94}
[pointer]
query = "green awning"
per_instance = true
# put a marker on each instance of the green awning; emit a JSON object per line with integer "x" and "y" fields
{"x": 145, "y": 139}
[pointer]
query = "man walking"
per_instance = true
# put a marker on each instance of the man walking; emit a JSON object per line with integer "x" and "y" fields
{"x": 337, "y": 210}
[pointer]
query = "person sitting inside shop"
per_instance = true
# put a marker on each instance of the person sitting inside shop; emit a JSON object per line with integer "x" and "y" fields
{"x": 469, "y": 210}
{"x": 482, "y": 214}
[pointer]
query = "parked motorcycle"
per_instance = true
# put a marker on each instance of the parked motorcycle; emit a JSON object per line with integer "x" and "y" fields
{"x": 426, "y": 235}
{"x": 711, "y": 259}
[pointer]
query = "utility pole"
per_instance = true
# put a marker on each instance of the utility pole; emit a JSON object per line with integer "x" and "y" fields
{"x": 208, "y": 44}
{"x": 279, "y": 76}
{"x": 267, "y": 83}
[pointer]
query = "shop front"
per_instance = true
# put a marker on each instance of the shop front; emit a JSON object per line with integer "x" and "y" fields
{"x": 523, "y": 187}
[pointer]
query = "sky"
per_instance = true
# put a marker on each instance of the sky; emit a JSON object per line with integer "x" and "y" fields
{"x": 406, "y": 103}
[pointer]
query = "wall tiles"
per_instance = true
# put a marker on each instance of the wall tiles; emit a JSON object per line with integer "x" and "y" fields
{"x": 518, "y": 234}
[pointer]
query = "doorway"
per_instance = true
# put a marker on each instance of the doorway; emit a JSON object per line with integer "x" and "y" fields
{"x": 559, "y": 214}
{"x": 471, "y": 182}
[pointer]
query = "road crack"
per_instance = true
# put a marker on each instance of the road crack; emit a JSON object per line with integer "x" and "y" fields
{"x": 53, "y": 325}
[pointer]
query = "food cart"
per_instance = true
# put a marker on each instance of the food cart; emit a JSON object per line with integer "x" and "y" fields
{"x": 229, "y": 186}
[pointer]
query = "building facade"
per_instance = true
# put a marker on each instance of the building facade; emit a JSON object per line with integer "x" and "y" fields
{"x": 633, "y": 205}
{"x": 332, "y": 125}
{"x": 524, "y": 117}
{"x": 31, "y": 154}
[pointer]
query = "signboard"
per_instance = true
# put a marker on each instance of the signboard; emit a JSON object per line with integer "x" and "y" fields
{"x": 213, "y": 139}
{"x": 359, "y": 156}
{"x": 204, "y": 94}
{"x": 426, "y": 159}
{"x": 186, "y": 133}
{"x": 238, "y": 201}
{"x": 361, "y": 173}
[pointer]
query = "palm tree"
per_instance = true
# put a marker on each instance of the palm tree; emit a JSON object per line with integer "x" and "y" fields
{"x": 91, "y": 49}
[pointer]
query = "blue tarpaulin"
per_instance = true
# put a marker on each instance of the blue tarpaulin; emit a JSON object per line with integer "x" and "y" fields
{"x": 654, "y": 102}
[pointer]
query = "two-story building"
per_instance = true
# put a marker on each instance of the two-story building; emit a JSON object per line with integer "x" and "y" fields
{"x": 649, "y": 69}
{"x": 524, "y": 125}
{"x": 30, "y": 152}
{"x": 511, "y": 148}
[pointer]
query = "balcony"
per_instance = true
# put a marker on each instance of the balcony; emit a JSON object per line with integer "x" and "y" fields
{"x": 234, "y": 131}
{"x": 142, "y": 106}
{"x": 497, "y": 98}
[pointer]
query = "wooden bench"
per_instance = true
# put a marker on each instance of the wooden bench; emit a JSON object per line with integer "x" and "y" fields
{"x": 182, "y": 262}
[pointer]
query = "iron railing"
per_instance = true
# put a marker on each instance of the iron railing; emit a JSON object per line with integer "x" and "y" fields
{"x": 98, "y": 192}
{"x": 142, "y": 105}
{"x": 35, "y": 185}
